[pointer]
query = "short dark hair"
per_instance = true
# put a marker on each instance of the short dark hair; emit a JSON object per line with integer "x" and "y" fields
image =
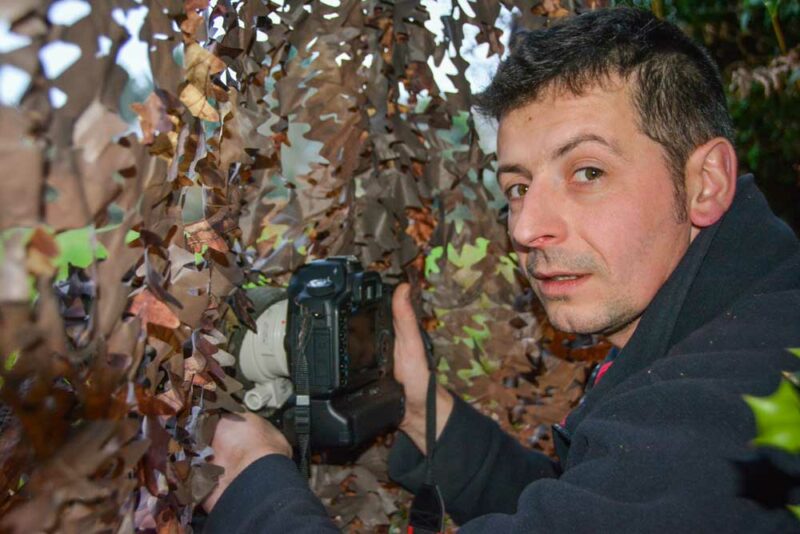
{"x": 676, "y": 87}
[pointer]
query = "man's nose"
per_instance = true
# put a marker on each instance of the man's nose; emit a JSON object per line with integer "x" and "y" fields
{"x": 540, "y": 220}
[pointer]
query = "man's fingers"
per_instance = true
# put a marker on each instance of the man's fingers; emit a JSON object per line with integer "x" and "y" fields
{"x": 410, "y": 362}
{"x": 402, "y": 311}
{"x": 239, "y": 440}
{"x": 406, "y": 328}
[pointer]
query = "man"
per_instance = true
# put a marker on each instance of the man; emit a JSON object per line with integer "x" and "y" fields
{"x": 615, "y": 154}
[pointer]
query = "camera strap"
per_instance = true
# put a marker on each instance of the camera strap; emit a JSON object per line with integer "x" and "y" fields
{"x": 427, "y": 510}
{"x": 302, "y": 408}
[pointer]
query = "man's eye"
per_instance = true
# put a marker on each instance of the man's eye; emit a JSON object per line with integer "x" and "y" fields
{"x": 516, "y": 191}
{"x": 588, "y": 174}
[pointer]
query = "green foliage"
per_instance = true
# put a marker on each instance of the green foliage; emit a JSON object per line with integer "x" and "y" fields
{"x": 507, "y": 266}
{"x": 468, "y": 374}
{"x": 469, "y": 255}
{"x": 431, "y": 267}
{"x": 476, "y": 337}
{"x": 778, "y": 418}
{"x": 772, "y": 7}
{"x": 131, "y": 236}
{"x": 11, "y": 360}
{"x": 746, "y": 37}
{"x": 771, "y": 141}
{"x": 78, "y": 247}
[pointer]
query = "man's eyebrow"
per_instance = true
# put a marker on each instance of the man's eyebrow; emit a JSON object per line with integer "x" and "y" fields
{"x": 512, "y": 168}
{"x": 585, "y": 138}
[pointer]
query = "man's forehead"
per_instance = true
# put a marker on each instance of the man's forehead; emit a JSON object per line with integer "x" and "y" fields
{"x": 562, "y": 120}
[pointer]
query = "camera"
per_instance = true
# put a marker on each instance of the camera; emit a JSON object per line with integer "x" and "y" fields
{"x": 322, "y": 355}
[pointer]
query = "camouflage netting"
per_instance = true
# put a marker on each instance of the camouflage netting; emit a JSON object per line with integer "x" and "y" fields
{"x": 133, "y": 214}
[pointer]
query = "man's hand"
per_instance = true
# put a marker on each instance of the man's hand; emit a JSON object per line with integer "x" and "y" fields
{"x": 239, "y": 440}
{"x": 411, "y": 370}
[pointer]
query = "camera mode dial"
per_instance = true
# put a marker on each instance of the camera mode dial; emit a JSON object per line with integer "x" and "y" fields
{"x": 320, "y": 287}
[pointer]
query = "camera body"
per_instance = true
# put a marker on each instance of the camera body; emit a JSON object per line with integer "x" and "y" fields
{"x": 335, "y": 351}
{"x": 347, "y": 314}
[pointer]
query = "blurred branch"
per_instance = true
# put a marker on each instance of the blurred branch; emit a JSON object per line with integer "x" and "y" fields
{"x": 658, "y": 8}
{"x": 776, "y": 25}
{"x": 772, "y": 8}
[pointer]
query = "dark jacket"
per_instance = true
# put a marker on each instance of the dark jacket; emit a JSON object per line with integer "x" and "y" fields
{"x": 660, "y": 443}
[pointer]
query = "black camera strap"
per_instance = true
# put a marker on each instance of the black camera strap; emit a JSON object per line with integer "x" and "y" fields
{"x": 427, "y": 510}
{"x": 302, "y": 387}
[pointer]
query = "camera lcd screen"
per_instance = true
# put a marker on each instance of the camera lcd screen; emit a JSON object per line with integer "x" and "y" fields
{"x": 361, "y": 340}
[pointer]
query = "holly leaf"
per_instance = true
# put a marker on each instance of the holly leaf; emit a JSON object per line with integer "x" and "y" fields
{"x": 777, "y": 418}
{"x": 795, "y": 509}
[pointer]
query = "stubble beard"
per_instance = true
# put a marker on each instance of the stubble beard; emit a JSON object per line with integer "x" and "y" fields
{"x": 610, "y": 316}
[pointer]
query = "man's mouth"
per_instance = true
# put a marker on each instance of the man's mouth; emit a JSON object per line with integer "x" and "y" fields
{"x": 558, "y": 284}
{"x": 556, "y": 277}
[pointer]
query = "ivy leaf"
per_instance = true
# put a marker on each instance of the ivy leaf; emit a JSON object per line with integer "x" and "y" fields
{"x": 778, "y": 418}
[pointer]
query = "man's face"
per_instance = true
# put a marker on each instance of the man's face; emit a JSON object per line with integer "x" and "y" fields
{"x": 592, "y": 209}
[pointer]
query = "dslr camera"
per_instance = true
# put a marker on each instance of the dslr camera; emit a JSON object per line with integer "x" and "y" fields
{"x": 321, "y": 358}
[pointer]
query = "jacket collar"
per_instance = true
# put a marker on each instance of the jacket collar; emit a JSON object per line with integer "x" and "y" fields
{"x": 723, "y": 263}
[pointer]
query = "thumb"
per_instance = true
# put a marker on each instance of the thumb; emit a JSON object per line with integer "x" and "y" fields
{"x": 409, "y": 351}
{"x": 405, "y": 320}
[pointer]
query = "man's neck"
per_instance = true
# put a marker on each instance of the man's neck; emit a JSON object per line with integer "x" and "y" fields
{"x": 621, "y": 337}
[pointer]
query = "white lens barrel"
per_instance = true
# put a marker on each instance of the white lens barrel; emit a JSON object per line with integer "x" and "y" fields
{"x": 268, "y": 394}
{"x": 262, "y": 359}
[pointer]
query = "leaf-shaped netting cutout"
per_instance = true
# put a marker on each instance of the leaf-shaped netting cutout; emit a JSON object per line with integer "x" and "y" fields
{"x": 160, "y": 156}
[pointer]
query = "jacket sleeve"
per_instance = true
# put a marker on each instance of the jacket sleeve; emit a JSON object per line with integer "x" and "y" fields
{"x": 671, "y": 455}
{"x": 270, "y": 495}
{"x": 479, "y": 468}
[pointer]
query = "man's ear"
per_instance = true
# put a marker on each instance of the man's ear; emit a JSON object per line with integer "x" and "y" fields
{"x": 711, "y": 174}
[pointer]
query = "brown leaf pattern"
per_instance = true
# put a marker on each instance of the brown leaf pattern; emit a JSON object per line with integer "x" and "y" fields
{"x": 261, "y": 136}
